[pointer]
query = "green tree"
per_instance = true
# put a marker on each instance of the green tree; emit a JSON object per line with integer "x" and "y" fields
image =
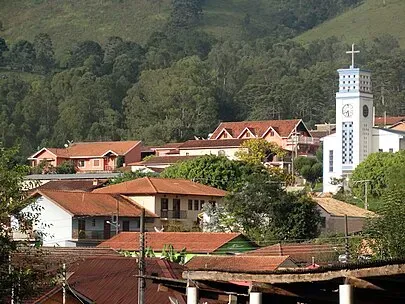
{"x": 260, "y": 208}
{"x": 216, "y": 171}
{"x": 257, "y": 151}
{"x": 172, "y": 104}
{"x": 22, "y": 56}
{"x": 13, "y": 200}
{"x": 3, "y": 49}
{"x": 385, "y": 231}
{"x": 67, "y": 167}
{"x": 185, "y": 13}
{"x": 44, "y": 52}
{"x": 309, "y": 168}
{"x": 172, "y": 255}
{"x": 82, "y": 51}
{"x": 128, "y": 176}
{"x": 382, "y": 169}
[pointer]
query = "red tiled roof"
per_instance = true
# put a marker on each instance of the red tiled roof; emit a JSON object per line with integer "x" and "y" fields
{"x": 224, "y": 143}
{"x": 169, "y": 146}
{"x": 92, "y": 149}
{"x": 154, "y": 185}
{"x": 113, "y": 280}
{"x": 239, "y": 263}
{"x": 166, "y": 160}
{"x": 194, "y": 242}
{"x": 93, "y": 204}
{"x": 282, "y": 127}
{"x": 389, "y": 120}
{"x": 301, "y": 253}
{"x": 72, "y": 185}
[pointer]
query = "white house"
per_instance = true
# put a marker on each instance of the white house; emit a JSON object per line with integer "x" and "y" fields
{"x": 355, "y": 137}
{"x": 69, "y": 218}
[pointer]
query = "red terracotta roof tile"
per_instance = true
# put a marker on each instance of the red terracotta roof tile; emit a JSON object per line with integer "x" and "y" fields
{"x": 389, "y": 120}
{"x": 194, "y": 242}
{"x": 72, "y": 185}
{"x": 93, "y": 204}
{"x": 282, "y": 127}
{"x": 224, "y": 143}
{"x": 154, "y": 185}
{"x": 92, "y": 149}
{"x": 239, "y": 263}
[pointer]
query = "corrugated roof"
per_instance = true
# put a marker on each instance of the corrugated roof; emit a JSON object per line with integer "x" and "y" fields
{"x": 224, "y": 143}
{"x": 194, "y": 242}
{"x": 338, "y": 208}
{"x": 93, "y": 204}
{"x": 300, "y": 252}
{"x": 73, "y": 185}
{"x": 93, "y": 149}
{"x": 239, "y": 263}
{"x": 282, "y": 127}
{"x": 113, "y": 280}
{"x": 153, "y": 185}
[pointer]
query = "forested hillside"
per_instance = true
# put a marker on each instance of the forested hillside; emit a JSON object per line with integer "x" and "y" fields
{"x": 181, "y": 80}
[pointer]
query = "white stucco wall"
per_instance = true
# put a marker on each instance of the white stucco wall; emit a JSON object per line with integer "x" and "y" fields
{"x": 146, "y": 201}
{"x": 54, "y": 222}
{"x": 386, "y": 140}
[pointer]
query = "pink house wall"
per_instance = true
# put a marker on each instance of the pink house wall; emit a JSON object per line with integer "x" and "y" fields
{"x": 134, "y": 155}
{"x": 96, "y": 164}
{"x": 45, "y": 155}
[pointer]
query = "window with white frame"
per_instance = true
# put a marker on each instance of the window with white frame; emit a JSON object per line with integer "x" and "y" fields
{"x": 81, "y": 163}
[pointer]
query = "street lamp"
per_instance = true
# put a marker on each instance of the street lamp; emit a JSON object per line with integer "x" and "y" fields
{"x": 116, "y": 225}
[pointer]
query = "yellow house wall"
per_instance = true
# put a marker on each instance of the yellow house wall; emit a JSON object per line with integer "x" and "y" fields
{"x": 148, "y": 202}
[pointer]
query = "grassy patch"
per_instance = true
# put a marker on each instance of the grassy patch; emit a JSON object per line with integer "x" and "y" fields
{"x": 367, "y": 21}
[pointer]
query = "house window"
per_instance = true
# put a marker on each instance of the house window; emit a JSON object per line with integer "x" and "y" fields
{"x": 202, "y": 202}
{"x": 190, "y": 204}
{"x": 93, "y": 222}
{"x": 380, "y": 150}
{"x": 213, "y": 203}
{"x": 82, "y": 225}
{"x": 391, "y": 150}
{"x": 125, "y": 225}
{"x": 196, "y": 204}
{"x": 164, "y": 207}
{"x": 96, "y": 162}
{"x": 330, "y": 160}
{"x": 225, "y": 135}
{"x": 80, "y": 163}
{"x": 247, "y": 134}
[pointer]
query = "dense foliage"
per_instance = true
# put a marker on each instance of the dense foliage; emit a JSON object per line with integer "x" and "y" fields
{"x": 385, "y": 232}
{"x": 309, "y": 168}
{"x": 183, "y": 81}
{"x": 265, "y": 212}
{"x": 383, "y": 169}
{"x": 216, "y": 171}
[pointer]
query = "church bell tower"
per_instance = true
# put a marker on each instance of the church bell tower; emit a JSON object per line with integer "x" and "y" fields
{"x": 354, "y": 116}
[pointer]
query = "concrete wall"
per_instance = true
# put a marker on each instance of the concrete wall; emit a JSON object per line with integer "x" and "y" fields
{"x": 384, "y": 140}
{"x": 146, "y": 201}
{"x": 336, "y": 224}
{"x": 228, "y": 152}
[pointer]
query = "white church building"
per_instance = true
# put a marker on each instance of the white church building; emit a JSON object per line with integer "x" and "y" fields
{"x": 355, "y": 137}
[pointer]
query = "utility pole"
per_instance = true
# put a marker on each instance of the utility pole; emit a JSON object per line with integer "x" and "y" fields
{"x": 64, "y": 283}
{"x": 10, "y": 272}
{"x": 365, "y": 181}
{"x": 141, "y": 279}
{"x": 346, "y": 239}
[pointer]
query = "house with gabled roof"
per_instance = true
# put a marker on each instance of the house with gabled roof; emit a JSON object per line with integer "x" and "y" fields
{"x": 66, "y": 218}
{"x": 90, "y": 156}
{"x": 289, "y": 134}
{"x": 195, "y": 243}
{"x": 178, "y": 201}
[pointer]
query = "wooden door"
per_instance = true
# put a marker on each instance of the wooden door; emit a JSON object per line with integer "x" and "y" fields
{"x": 107, "y": 230}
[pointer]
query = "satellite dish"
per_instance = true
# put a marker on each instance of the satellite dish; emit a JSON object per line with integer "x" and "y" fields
{"x": 173, "y": 300}
{"x": 66, "y": 145}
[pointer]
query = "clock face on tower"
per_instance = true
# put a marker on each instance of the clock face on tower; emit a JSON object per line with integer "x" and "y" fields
{"x": 365, "y": 111}
{"x": 347, "y": 110}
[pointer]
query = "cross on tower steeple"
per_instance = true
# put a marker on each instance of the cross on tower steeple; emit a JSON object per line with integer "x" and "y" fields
{"x": 352, "y": 52}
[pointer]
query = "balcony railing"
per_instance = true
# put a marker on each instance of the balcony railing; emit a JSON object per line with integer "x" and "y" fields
{"x": 91, "y": 234}
{"x": 303, "y": 140}
{"x": 173, "y": 214}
